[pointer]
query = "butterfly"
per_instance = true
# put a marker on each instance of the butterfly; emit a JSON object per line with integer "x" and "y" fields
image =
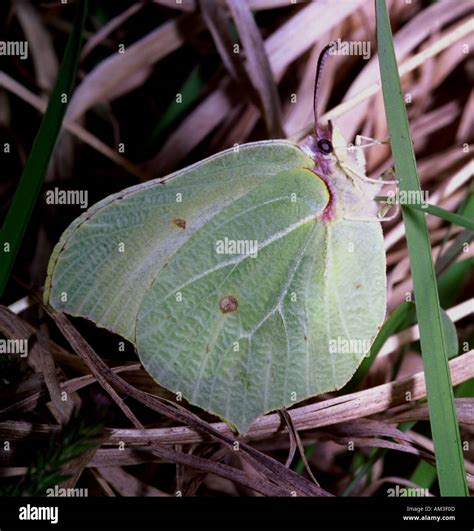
{"x": 247, "y": 282}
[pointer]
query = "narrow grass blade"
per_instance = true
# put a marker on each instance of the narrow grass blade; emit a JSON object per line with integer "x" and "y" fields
{"x": 424, "y": 475}
{"x": 462, "y": 240}
{"x": 452, "y": 283}
{"x": 402, "y": 317}
{"x": 445, "y": 214}
{"x": 434, "y": 210}
{"x": 444, "y": 426}
{"x": 375, "y": 455}
{"x": 18, "y": 215}
{"x": 189, "y": 92}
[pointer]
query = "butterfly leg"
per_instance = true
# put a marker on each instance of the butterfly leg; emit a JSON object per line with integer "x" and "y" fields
{"x": 370, "y": 141}
{"x": 388, "y": 172}
{"x": 349, "y": 170}
{"x": 362, "y": 218}
{"x": 381, "y": 214}
{"x": 385, "y": 208}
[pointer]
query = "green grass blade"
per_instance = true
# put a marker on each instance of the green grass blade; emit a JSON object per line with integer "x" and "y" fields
{"x": 453, "y": 281}
{"x": 375, "y": 455}
{"x": 444, "y": 426}
{"x": 452, "y": 217}
{"x": 446, "y": 215}
{"x": 398, "y": 320}
{"x": 19, "y": 213}
{"x": 462, "y": 240}
{"x": 189, "y": 91}
{"x": 424, "y": 475}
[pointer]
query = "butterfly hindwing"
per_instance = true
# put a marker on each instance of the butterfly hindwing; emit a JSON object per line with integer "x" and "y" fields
{"x": 212, "y": 325}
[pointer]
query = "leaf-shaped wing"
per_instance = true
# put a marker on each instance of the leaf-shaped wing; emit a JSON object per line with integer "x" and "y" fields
{"x": 212, "y": 325}
{"x": 107, "y": 259}
{"x": 241, "y": 335}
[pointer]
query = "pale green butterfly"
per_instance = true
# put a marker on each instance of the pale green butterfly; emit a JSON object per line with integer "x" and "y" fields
{"x": 247, "y": 282}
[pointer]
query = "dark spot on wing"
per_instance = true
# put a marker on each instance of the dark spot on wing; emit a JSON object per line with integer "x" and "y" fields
{"x": 228, "y": 304}
{"x": 358, "y": 286}
{"x": 181, "y": 223}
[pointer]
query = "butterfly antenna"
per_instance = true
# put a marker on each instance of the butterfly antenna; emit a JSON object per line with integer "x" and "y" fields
{"x": 317, "y": 82}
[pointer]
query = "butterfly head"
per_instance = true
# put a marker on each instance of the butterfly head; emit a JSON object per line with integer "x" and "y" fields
{"x": 340, "y": 165}
{"x": 319, "y": 147}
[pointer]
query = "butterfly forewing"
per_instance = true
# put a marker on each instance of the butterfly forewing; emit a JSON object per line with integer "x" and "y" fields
{"x": 107, "y": 259}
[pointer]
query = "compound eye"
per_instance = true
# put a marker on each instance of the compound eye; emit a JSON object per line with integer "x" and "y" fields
{"x": 325, "y": 146}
